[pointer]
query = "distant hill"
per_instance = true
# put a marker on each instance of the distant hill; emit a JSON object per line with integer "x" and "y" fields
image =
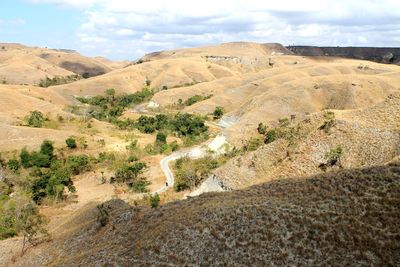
{"x": 21, "y": 64}
{"x": 387, "y": 55}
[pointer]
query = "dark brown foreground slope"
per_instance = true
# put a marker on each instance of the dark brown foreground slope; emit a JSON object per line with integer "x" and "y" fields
{"x": 350, "y": 217}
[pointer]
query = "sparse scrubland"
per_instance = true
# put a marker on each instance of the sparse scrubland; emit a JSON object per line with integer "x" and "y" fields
{"x": 349, "y": 217}
{"x": 311, "y": 159}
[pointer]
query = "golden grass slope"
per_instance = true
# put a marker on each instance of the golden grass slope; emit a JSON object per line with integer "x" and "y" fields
{"x": 369, "y": 136}
{"x": 21, "y": 64}
{"x": 349, "y": 217}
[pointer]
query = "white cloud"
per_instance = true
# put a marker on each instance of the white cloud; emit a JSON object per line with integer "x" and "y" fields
{"x": 132, "y": 27}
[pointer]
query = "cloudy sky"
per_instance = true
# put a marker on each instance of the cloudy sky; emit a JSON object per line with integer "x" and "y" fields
{"x": 127, "y": 29}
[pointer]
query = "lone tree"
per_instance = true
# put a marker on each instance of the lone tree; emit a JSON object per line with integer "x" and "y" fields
{"x": 161, "y": 138}
{"x": 218, "y": 113}
{"x": 47, "y": 148}
{"x": 71, "y": 143}
{"x": 25, "y": 158}
{"x": 36, "y": 119}
{"x": 30, "y": 223}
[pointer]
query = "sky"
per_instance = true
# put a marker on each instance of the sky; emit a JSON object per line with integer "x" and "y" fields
{"x": 123, "y": 29}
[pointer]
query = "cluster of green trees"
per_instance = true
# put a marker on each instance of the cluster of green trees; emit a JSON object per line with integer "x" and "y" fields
{"x": 57, "y": 80}
{"x": 191, "y": 128}
{"x": 111, "y": 106}
{"x": 130, "y": 174}
{"x": 191, "y": 100}
{"x": 51, "y": 175}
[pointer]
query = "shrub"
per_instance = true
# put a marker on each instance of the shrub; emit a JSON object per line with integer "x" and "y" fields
{"x": 47, "y": 148}
{"x": 133, "y": 145}
{"x": 57, "y": 80}
{"x": 253, "y": 144}
{"x": 39, "y": 160}
{"x": 51, "y": 182}
{"x": 25, "y": 158}
{"x": 129, "y": 173}
{"x": 218, "y": 113}
{"x": 161, "y": 138}
{"x": 333, "y": 155}
{"x": 262, "y": 129}
{"x": 78, "y": 164}
{"x": 284, "y": 122}
{"x": 154, "y": 200}
{"x": 174, "y": 146}
{"x": 132, "y": 158}
{"x": 140, "y": 186}
{"x": 270, "y": 136}
{"x": 71, "y": 143}
{"x": 13, "y": 165}
{"x": 36, "y": 119}
{"x": 329, "y": 121}
{"x": 196, "y": 98}
{"x": 7, "y": 232}
{"x": 82, "y": 143}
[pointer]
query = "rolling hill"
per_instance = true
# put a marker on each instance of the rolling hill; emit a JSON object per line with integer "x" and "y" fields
{"x": 21, "y": 64}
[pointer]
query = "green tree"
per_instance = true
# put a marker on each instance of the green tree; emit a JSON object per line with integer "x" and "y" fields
{"x": 218, "y": 113}
{"x": 161, "y": 138}
{"x": 129, "y": 173}
{"x": 13, "y": 165}
{"x": 154, "y": 200}
{"x": 51, "y": 182}
{"x": 39, "y": 160}
{"x": 78, "y": 164}
{"x": 47, "y": 148}
{"x": 30, "y": 223}
{"x": 71, "y": 142}
{"x": 36, "y": 119}
{"x": 25, "y": 158}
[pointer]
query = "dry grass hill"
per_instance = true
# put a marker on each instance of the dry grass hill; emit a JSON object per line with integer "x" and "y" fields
{"x": 331, "y": 123}
{"x": 367, "y": 136}
{"x": 21, "y": 64}
{"x": 348, "y": 217}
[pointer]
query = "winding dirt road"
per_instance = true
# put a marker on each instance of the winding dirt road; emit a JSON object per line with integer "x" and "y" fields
{"x": 194, "y": 153}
